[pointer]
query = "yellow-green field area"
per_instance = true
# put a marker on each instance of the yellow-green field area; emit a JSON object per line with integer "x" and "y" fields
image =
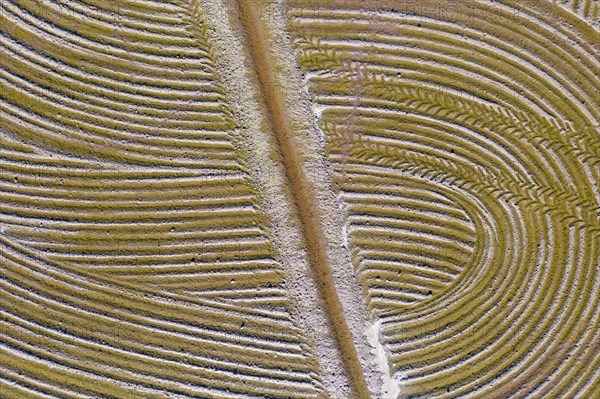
{"x": 299, "y": 199}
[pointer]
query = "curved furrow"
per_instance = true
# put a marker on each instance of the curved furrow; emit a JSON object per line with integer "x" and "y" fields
{"x": 66, "y": 118}
{"x": 464, "y": 139}
{"x": 587, "y": 9}
{"x": 134, "y": 258}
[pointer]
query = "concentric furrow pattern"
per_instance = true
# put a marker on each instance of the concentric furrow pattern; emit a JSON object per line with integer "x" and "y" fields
{"x": 134, "y": 259}
{"x": 409, "y": 241}
{"x": 465, "y": 139}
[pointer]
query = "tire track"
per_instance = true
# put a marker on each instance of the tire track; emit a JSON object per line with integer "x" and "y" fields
{"x": 304, "y": 199}
{"x": 489, "y": 289}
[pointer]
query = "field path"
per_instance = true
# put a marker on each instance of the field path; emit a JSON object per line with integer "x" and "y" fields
{"x": 304, "y": 198}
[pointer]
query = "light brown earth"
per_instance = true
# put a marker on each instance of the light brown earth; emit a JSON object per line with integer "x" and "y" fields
{"x": 299, "y": 199}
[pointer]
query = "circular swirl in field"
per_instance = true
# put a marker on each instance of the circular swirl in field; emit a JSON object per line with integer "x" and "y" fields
{"x": 496, "y": 103}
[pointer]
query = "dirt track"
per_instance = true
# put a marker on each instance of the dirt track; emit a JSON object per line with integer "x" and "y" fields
{"x": 307, "y": 211}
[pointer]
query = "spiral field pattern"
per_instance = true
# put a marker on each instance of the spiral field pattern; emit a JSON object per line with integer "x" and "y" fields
{"x": 466, "y": 146}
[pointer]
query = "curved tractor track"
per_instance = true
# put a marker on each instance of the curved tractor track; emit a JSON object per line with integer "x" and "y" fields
{"x": 138, "y": 257}
{"x": 466, "y": 147}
